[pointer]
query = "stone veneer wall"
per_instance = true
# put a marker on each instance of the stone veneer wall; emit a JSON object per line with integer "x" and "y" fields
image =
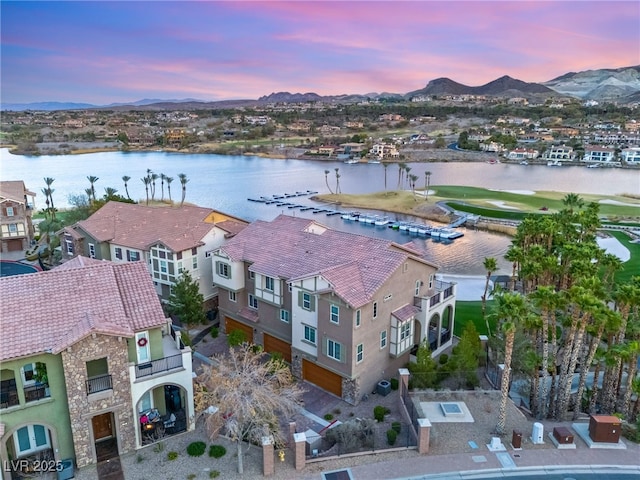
{"x": 82, "y": 407}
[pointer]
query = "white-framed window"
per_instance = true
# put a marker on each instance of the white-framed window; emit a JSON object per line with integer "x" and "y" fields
{"x": 10, "y": 212}
{"x": 223, "y": 269}
{"x": 163, "y": 266}
{"x": 132, "y": 256}
{"x": 30, "y": 439}
{"x": 232, "y": 296}
{"x": 69, "y": 245}
{"x": 306, "y": 301}
{"x": 383, "y": 339}
{"x": 359, "y": 353}
{"x": 430, "y": 281}
{"x": 142, "y": 347}
{"x": 194, "y": 263}
{"x": 405, "y": 330}
{"x": 375, "y": 309}
{"x": 269, "y": 284}
{"x": 180, "y": 266}
{"x": 13, "y": 228}
{"x": 310, "y": 334}
{"x": 146, "y": 402}
{"x": 253, "y": 301}
{"x": 92, "y": 250}
{"x": 417, "y": 291}
{"x": 285, "y": 315}
{"x": 334, "y": 349}
{"x": 358, "y": 317}
{"x": 335, "y": 314}
{"x": 28, "y": 372}
{"x": 252, "y": 275}
{"x": 118, "y": 252}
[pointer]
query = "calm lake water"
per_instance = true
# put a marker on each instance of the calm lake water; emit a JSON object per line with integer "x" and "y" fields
{"x": 225, "y": 182}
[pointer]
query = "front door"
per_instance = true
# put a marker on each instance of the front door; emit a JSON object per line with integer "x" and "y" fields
{"x": 102, "y": 426}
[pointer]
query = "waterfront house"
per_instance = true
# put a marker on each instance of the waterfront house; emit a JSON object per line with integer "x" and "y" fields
{"x": 559, "y": 152}
{"x": 81, "y": 364}
{"x": 16, "y": 209}
{"x": 167, "y": 239}
{"x": 631, "y": 155}
{"x": 599, "y": 155}
{"x": 344, "y": 310}
{"x": 522, "y": 154}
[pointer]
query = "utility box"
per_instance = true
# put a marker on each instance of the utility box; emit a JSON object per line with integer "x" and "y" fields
{"x": 384, "y": 388}
{"x": 516, "y": 439}
{"x": 537, "y": 434}
{"x": 604, "y": 428}
{"x": 562, "y": 435}
{"x": 66, "y": 471}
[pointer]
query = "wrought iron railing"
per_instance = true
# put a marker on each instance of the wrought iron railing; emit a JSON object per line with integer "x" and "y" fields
{"x": 99, "y": 384}
{"x": 157, "y": 366}
{"x": 35, "y": 392}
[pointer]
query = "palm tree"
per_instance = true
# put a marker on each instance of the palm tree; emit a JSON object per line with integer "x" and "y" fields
{"x": 427, "y": 178}
{"x": 109, "y": 193}
{"x": 326, "y": 180}
{"x": 163, "y": 177}
{"x": 401, "y": 166}
{"x": 385, "y": 165}
{"x": 154, "y": 177}
{"x": 337, "y": 180}
{"x": 92, "y": 181}
{"x": 169, "y": 180}
{"x": 412, "y": 182}
{"x": 571, "y": 201}
{"x": 407, "y": 170}
{"x": 125, "y": 179}
{"x": 183, "y": 181}
{"x": 490, "y": 265}
{"x": 48, "y": 193}
{"x": 147, "y": 182}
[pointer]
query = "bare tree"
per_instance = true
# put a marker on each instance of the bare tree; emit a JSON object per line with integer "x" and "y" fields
{"x": 251, "y": 391}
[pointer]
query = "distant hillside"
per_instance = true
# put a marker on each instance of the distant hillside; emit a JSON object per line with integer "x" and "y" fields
{"x": 46, "y": 106}
{"x": 503, "y": 86}
{"x": 605, "y": 84}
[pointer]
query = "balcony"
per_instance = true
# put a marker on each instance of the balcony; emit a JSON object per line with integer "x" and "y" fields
{"x": 158, "y": 366}
{"x": 36, "y": 392}
{"x": 99, "y": 384}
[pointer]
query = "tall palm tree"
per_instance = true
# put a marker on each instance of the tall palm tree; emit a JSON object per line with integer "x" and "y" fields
{"x": 147, "y": 183}
{"x": 163, "y": 177}
{"x": 401, "y": 166}
{"x": 385, "y": 165}
{"x": 109, "y": 193}
{"x": 326, "y": 180}
{"x": 92, "y": 181}
{"x": 337, "y": 180}
{"x": 126, "y": 179}
{"x": 572, "y": 201}
{"x": 48, "y": 193}
{"x": 427, "y": 178}
{"x": 169, "y": 180}
{"x": 407, "y": 170}
{"x": 412, "y": 183}
{"x": 490, "y": 265}
{"x": 183, "y": 181}
{"x": 154, "y": 177}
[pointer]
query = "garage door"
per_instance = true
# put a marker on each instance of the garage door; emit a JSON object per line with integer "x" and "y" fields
{"x": 14, "y": 245}
{"x": 273, "y": 344}
{"x": 322, "y": 377}
{"x": 230, "y": 325}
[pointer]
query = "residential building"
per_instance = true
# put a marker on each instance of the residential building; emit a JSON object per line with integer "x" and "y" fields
{"x": 85, "y": 360}
{"x": 559, "y": 152}
{"x": 384, "y": 150}
{"x": 345, "y": 310}
{"x": 523, "y": 154}
{"x": 597, "y": 154}
{"x": 631, "y": 155}
{"x": 168, "y": 239}
{"x": 16, "y": 228}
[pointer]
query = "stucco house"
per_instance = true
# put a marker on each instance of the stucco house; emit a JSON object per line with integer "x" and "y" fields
{"x": 344, "y": 310}
{"x": 167, "y": 239}
{"x": 90, "y": 355}
{"x": 16, "y": 209}
{"x": 599, "y": 155}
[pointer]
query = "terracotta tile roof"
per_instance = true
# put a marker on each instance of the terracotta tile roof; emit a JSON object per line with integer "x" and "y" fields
{"x": 14, "y": 190}
{"x": 138, "y": 226}
{"x": 355, "y": 265}
{"x": 249, "y": 314}
{"x": 49, "y": 311}
{"x": 405, "y": 313}
{"x": 78, "y": 262}
{"x": 232, "y": 227}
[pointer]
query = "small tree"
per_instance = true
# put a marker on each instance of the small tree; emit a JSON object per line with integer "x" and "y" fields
{"x": 424, "y": 373}
{"x": 186, "y": 301}
{"x": 251, "y": 392}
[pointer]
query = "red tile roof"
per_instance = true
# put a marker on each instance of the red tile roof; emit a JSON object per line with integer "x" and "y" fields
{"x": 355, "y": 265}
{"x": 50, "y": 311}
{"x": 14, "y": 190}
{"x": 138, "y": 226}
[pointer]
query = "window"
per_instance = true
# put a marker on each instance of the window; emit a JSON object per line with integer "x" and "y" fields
{"x": 335, "y": 314}
{"x": 223, "y": 269}
{"x": 163, "y": 266}
{"x": 417, "y": 291}
{"x": 359, "y": 353}
{"x": 145, "y": 402}
{"x": 69, "y": 245}
{"x": 194, "y": 251}
{"x": 383, "y": 338}
{"x": 405, "y": 330}
{"x": 430, "y": 281}
{"x": 306, "y": 301}
{"x": 232, "y": 296}
{"x": 194, "y": 263}
{"x": 118, "y": 251}
{"x": 375, "y": 309}
{"x": 252, "y": 275}
{"x": 132, "y": 256}
{"x": 284, "y": 315}
{"x": 10, "y": 212}
{"x": 30, "y": 439}
{"x": 13, "y": 227}
{"x": 28, "y": 373}
{"x": 387, "y": 297}
{"x": 334, "y": 350}
{"x": 253, "y": 301}
{"x": 269, "y": 283}
{"x": 179, "y": 256}
{"x": 92, "y": 250}
{"x": 358, "y": 317}
{"x": 310, "y": 334}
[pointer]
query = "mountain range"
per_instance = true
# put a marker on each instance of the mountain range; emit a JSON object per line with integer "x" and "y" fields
{"x": 621, "y": 85}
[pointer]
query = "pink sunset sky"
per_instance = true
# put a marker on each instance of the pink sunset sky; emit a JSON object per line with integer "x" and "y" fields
{"x": 103, "y": 51}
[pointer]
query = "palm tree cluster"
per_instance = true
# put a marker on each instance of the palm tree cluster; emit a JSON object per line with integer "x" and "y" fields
{"x": 149, "y": 181}
{"x": 564, "y": 313}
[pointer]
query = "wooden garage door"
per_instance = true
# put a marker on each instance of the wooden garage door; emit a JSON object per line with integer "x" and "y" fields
{"x": 231, "y": 325}
{"x": 14, "y": 245}
{"x": 273, "y": 344}
{"x": 322, "y": 377}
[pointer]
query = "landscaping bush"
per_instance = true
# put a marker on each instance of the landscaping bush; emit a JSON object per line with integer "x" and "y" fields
{"x": 379, "y": 412}
{"x": 444, "y": 358}
{"x": 214, "y": 474}
{"x": 397, "y": 426}
{"x": 236, "y": 338}
{"x": 394, "y": 383}
{"x": 196, "y": 449}
{"x": 172, "y": 455}
{"x": 214, "y": 332}
{"x": 391, "y": 436}
{"x": 328, "y": 417}
{"x": 217, "y": 451}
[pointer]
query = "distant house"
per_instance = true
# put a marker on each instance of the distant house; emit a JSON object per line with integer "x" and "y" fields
{"x": 597, "y": 154}
{"x": 631, "y": 155}
{"x": 559, "y": 152}
{"x": 523, "y": 154}
{"x": 82, "y": 364}
{"x": 345, "y": 310}
{"x": 16, "y": 209}
{"x": 167, "y": 239}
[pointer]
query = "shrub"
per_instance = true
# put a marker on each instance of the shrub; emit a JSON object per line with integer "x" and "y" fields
{"x": 172, "y": 455}
{"x": 397, "y": 426}
{"x": 379, "y": 412}
{"x": 328, "y": 417}
{"x": 394, "y": 383}
{"x": 391, "y": 436}
{"x": 444, "y": 358}
{"x": 158, "y": 447}
{"x": 186, "y": 338}
{"x": 191, "y": 476}
{"x": 196, "y": 449}
{"x": 214, "y": 332}
{"x": 236, "y": 338}
{"x": 217, "y": 451}
{"x": 214, "y": 474}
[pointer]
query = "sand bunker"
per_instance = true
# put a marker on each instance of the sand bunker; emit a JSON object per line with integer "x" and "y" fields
{"x": 519, "y": 192}
{"x": 501, "y": 204}
{"x": 613, "y": 246}
{"x": 616, "y": 202}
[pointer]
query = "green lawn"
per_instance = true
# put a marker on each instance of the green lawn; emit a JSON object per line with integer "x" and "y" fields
{"x": 472, "y": 312}
{"x": 632, "y": 266}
